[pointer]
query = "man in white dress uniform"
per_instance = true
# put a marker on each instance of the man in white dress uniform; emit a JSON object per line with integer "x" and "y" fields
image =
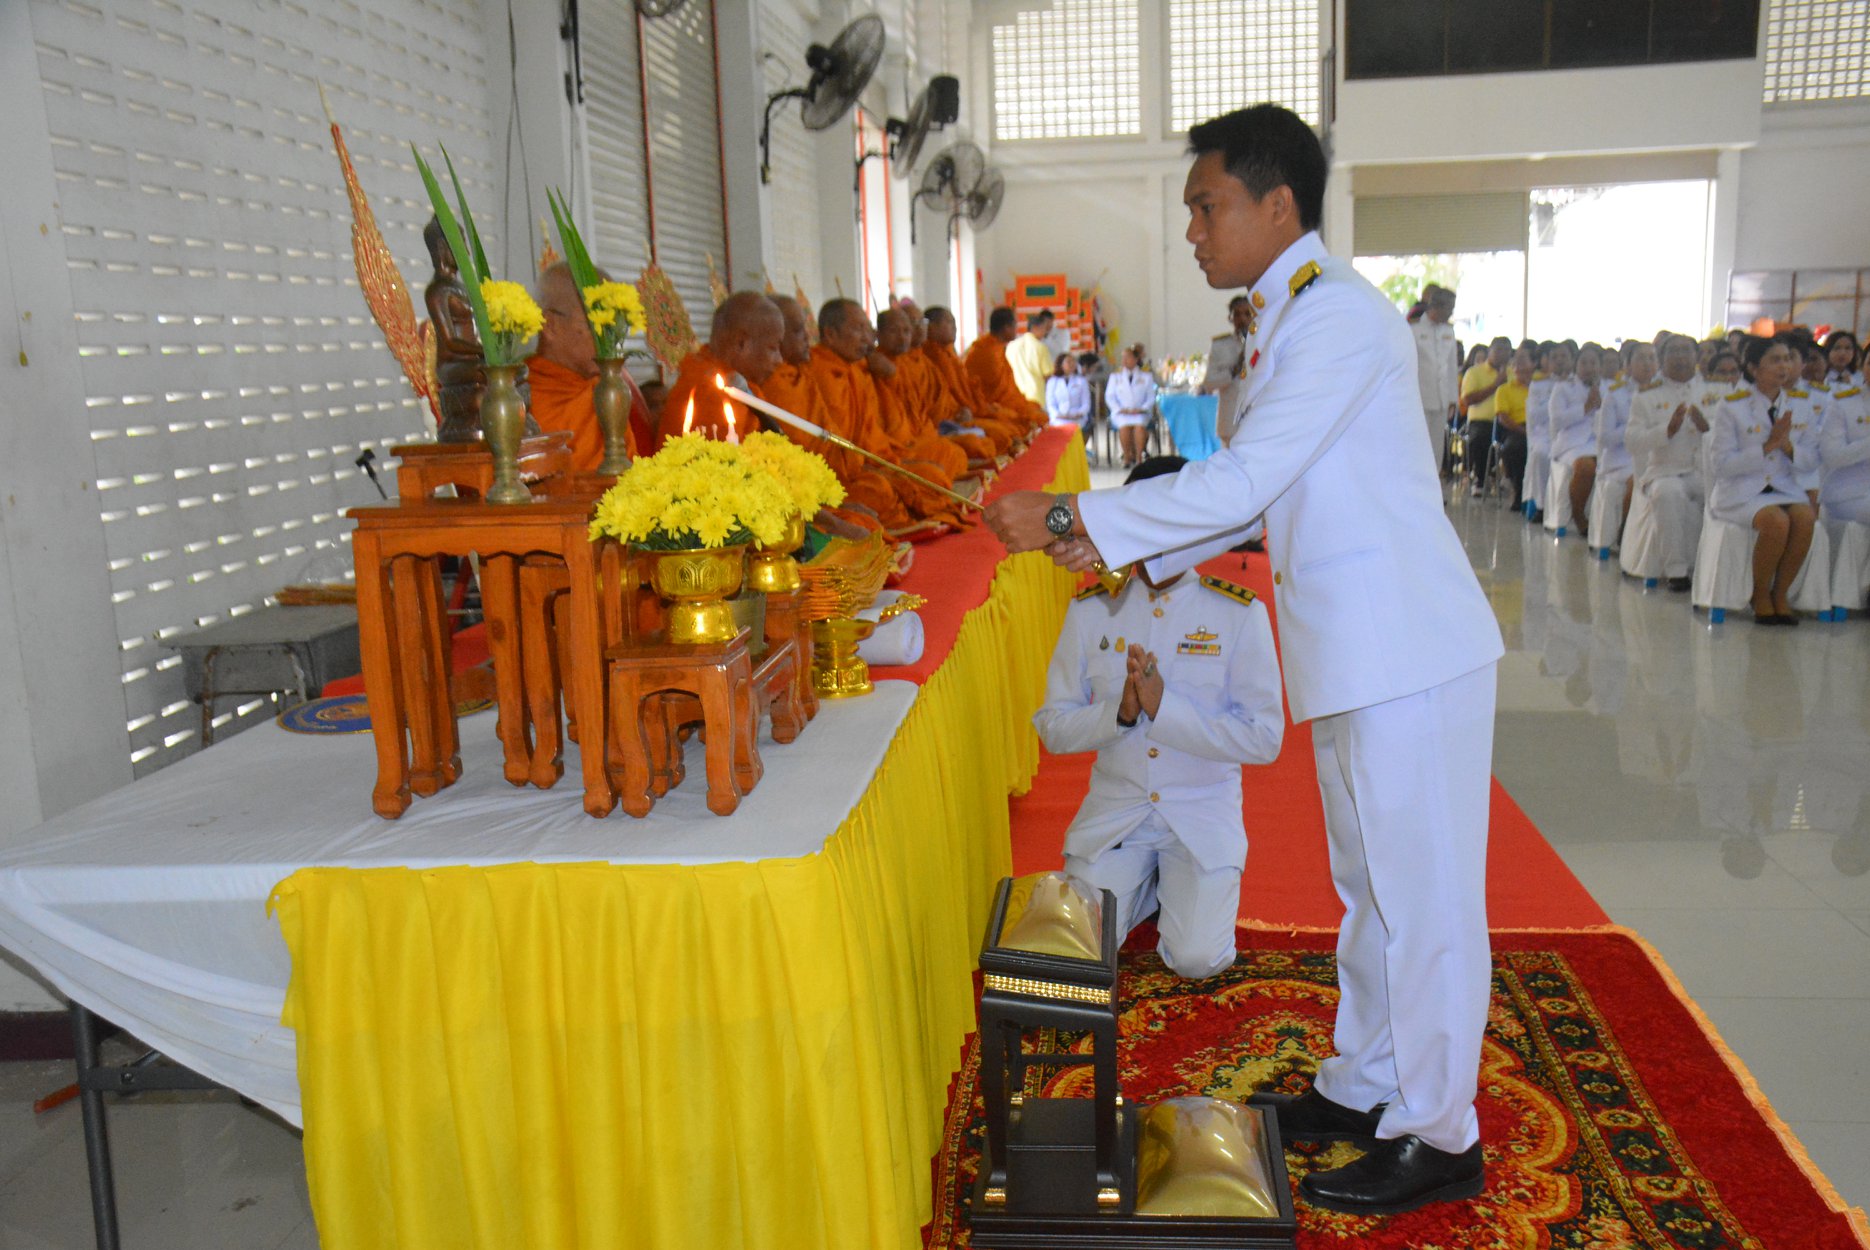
{"x": 1175, "y": 685}
{"x": 1388, "y": 644}
{"x": 1667, "y": 423}
{"x": 1227, "y": 365}
{"x": 1438, "y": 366}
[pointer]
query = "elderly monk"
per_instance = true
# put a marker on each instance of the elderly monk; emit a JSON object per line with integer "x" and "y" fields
{"x": 792, "y": 387}
{"x": 960, "y": 402}
{"x": 993, "y": 377}
{"x": 563, "y": 372}
{"x": 907, "y": 388}
{"x": 744, "y": 339}
{"x": 840, "y": 365}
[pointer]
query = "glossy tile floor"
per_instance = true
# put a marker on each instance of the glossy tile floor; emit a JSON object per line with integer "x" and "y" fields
{"x": 1710, "y": 785}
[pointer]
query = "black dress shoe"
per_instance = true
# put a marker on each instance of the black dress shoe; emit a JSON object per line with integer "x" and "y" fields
{"x": 1398, "y": 1174}
{"x": 1680, "y": 584}
{"x": 1313, "y": 1117}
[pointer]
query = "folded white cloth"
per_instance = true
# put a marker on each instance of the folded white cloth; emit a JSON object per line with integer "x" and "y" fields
{"x": 896, "y": 641}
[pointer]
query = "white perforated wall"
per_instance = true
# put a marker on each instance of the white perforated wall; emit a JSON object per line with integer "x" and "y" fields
{"x": 231, "y": 371}
{"x": 683, "y": 123}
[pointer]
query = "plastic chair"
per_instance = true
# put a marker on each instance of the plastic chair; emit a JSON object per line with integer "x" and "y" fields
{"x": 1607, "y": 513}
{"x": 1850, "y": 566}
{"x": 1723, "y": 580}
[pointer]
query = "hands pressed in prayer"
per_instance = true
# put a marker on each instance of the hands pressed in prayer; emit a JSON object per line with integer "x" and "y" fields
{"x": 1145, "y": 679}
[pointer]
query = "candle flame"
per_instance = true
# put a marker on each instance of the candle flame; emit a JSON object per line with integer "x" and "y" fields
{"x": 733, "y": 427}
{"x": 688, "y": 418}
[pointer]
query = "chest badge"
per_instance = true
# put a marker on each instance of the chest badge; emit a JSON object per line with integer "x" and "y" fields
{"x": 1103, "y": 644}
{"x": 1121, "y": 645}
{"x": 1202, "y": 641}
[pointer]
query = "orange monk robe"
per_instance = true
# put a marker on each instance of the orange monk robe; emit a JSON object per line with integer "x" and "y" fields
{"x": 906, "y": 402}
{"x": 992, "y": 377}
{"x": 957, "y": 392}
{"x": 937, "y": 406}
{"x": 696, "y": 380}
{"x": 793, "y": 388}
{"x": 856, "y": 412}
{"x": 561, "y": 400}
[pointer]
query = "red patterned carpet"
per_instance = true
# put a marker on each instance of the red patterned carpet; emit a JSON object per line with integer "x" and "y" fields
{"x": 1610, "y": 1120}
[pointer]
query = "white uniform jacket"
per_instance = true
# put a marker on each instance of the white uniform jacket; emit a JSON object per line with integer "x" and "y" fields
{"x": 1741, "y": 469}
{"x": 1438, "y": 370}
{"x": 1376, "y": 596}
{"x": 1844, "y": 447}
{"x": 1655, "y": 452}
{"x": 1539, "y": 413}
{"x": 1130, "y": 389}
{"x": 1220, "y": 709}
{"x": 1613, "y": 419}
{"x": 1808, "y": 415}
{"x": 1573, "y": 429}
{"x": 1227, "y": 365}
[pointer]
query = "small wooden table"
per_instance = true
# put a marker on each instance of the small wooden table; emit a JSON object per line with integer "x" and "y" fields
{"x": 405, "y": 655}
{"x": 468, "y": 467}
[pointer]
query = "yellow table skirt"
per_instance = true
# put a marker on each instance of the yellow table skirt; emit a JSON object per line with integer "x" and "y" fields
{"x": 660, "y": 1057}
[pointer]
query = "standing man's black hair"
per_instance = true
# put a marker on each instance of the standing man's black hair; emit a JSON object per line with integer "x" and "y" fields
{"x": 1266, "y": 147}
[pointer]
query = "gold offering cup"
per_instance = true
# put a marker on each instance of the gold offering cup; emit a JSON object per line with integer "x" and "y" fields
{"x": 837, "y": 672}
{"x": 697, "y": 583}
{"x": 772, "y": 570}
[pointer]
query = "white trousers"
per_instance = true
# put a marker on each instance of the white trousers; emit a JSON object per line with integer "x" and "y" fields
{"x": 1437, "y": 419}
{"x": 1678, "y": 503}
{"x": 1151, "y": 867}
{"x": 1406, "y": 789}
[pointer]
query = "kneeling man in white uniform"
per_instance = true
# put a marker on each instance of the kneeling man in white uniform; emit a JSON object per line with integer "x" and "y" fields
{"x": 1387, "y": 642}
{"x": 1175, "y": 685}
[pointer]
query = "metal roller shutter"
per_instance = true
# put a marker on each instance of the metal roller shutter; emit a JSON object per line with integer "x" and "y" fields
{"x": 613, "y": 128}
{"x": 1408, "y": 225}
{"x": 683, "y": 122}
{"x": 231, "y": 370}
{"x": 793, "y": 192}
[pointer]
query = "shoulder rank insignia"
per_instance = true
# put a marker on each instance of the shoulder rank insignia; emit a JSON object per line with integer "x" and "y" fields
{"x": 1847, "y": 394}
{"x": 1738, "y": 395}
{"x": 1091, "y": 591}
{"x": 1818, "y": 386}
{"x": 1307, "y": 274}
{"x": 1617, "y": 385}
{"x": 1239, "y": 594}
{"x": 1798, "y": 394}
{"x": 1650, "y": 386}
{"x": 1217, "y": 338}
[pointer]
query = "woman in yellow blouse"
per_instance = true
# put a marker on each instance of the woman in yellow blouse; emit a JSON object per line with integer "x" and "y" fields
{"x": 1509, "y": 412}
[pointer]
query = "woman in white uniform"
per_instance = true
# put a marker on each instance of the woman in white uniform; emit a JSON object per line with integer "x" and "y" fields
{"x": 1067, "y": 395}
{"x": 1130, "y": 395}
{"x": 1751, "y": 454}
{"x": 1844, "y": 458}
{"x": 1843, "y": 361}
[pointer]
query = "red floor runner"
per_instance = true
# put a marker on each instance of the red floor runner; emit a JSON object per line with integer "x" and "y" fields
{"x": 1288, "y": 878}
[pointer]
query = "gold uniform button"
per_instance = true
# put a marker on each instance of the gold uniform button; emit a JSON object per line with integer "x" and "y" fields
{"x": 1277, "y": 579}
{"x": 1153, "y": 753}
{"x": 1158, "y": 611}
{"x": 1154, "y": 797}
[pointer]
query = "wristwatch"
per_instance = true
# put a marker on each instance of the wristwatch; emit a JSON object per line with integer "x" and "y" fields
{"x": 1059, "y": 518}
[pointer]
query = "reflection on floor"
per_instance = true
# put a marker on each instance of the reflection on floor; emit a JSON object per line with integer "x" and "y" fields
{"x": 1710, "y": 785}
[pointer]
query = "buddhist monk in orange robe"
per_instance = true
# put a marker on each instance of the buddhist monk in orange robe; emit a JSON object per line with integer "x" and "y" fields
{"x": 960, "y": 402}
{"x": 987, "y": 368}
{"x": 871, "y": 499}
{"x": 562, "y": 373}
{"x": 840, "y": 364}
{"x": 743, "y": 340}
{"x": 907, "y": 390}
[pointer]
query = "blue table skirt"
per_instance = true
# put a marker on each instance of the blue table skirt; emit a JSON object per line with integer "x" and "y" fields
{"x": 1190, "y": 419}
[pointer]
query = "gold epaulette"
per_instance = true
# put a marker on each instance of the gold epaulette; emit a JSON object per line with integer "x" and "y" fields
{"x": 1737, "y": 395}
{"x": 1091, "y": 591}
{"x": 1220, "y": 586}
{"x": 1217, "y": 338}
{"x": 1617, "y": 385}
{"x": 1798, "y": 394}
{"x": 1307, "y": 274}
{"x": 1819, "y": 386}
{"x": 1650, "y": 386}
{"x": 1855, "y": 390}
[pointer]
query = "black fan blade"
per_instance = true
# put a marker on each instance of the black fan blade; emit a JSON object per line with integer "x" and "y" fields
{"x": 847, "y": 68}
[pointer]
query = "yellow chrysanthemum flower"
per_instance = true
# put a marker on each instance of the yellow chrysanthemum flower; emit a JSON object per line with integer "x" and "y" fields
{"x": 510, "y": 310}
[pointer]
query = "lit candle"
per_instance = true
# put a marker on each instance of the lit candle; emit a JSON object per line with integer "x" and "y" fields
{"x": 733, "y": 429}
{"x": 688, "y": 418}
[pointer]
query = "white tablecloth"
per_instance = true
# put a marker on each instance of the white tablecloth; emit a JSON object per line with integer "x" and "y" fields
{"x": 149, "y": 905}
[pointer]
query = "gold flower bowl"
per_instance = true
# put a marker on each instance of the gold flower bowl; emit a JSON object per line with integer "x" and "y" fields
{"x": 772, "y": 570}
{"x": 696, "y": 583}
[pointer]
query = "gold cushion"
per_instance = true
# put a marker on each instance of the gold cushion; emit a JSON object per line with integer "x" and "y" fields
{"x": 1203, "y": 1156}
